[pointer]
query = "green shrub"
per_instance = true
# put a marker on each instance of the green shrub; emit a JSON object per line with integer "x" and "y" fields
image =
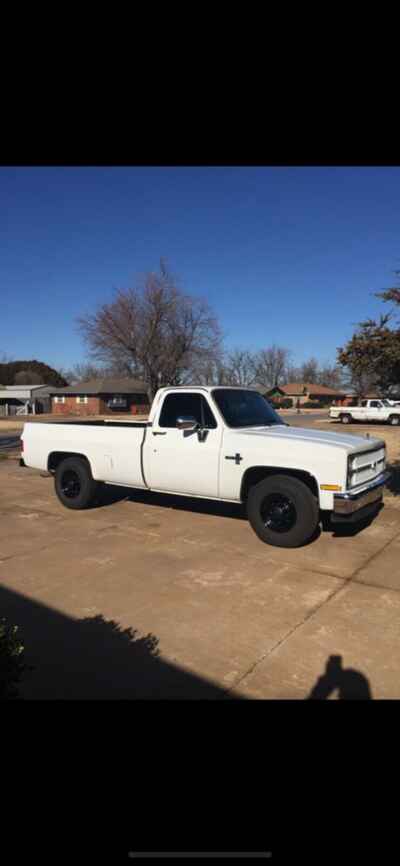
{"x": 12, "y": 665}
{"x": 286, "y": 403}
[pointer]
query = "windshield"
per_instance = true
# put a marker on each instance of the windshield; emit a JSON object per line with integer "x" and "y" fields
{"x": 386, "y": 403}
{"x": 243, "y": 408}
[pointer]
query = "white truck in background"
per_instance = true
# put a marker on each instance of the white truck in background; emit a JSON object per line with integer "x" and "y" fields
{"x": 218, "y": 443}
{"x": 384, "y": 411}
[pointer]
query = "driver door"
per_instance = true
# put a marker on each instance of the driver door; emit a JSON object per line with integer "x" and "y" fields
{"x": 375, "y": 410}
{"x": 183, "y": 461}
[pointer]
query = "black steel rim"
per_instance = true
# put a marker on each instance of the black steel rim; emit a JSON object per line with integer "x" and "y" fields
{"x": 278, "y": 512}
{"x": 70, "y": 484}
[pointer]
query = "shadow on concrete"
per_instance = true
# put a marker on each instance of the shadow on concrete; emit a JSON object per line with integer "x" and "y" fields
{"x": 94, "y": 658}
{"x": 351, "y": 684}
{"x": 393, "y": 484}
{"x": 110, "y": 494}
{"x": 349, "y": 530}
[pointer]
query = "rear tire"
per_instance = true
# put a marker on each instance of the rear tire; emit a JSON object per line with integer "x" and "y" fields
{"x": 346, "y": 419}
{"x": 282, "y": 511}
{"x": 74, "y": 484}
{"x": 394, "y": 420}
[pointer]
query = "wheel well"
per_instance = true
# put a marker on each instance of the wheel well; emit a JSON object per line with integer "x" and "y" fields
{"x": 55, "y": 458}
{"x": 258, "y": 473}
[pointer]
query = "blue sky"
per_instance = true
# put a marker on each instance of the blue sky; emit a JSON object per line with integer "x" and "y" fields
{"x": 284, "y": 255}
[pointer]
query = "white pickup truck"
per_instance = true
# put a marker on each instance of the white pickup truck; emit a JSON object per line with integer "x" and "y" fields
{"x": 369, "y": 410}
{"x": 217, "y": 443}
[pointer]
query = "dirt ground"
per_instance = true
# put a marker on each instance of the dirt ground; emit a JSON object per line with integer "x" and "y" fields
{"x": 166, "y": 597}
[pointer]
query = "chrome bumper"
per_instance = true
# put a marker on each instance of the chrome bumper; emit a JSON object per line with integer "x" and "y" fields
{"x": 348, "y": 503}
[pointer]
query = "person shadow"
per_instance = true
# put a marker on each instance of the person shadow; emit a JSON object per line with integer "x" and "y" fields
{"x": 350, "y": 684}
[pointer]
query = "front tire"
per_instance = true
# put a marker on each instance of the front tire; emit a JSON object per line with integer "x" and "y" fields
{"x": 394, "y": 420}
{"x": 74, "y": 484}
{"x": 346, "y": 419}
{"x": 282, "y": 511}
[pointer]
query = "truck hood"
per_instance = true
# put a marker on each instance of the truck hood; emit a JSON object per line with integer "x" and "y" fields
{"x": 348, "y": 442}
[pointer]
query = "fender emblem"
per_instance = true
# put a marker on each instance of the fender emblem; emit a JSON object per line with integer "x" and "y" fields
{"x": 236, "y": 457}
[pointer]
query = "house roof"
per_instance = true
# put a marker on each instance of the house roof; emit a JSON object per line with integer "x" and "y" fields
{"x": 104, "y": 386}
{"x": 23, "y": 392}
{"x": 296, "y": 389}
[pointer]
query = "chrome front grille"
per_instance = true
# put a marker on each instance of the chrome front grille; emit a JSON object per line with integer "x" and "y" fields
{"x": 366, "y": 466}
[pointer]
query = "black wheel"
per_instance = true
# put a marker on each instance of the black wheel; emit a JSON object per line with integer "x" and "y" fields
{"x": 346, "y": 419}
{"x": 74, "y": 484}
{"x": 282, "y": 511}
{"x": 394, "y": 420}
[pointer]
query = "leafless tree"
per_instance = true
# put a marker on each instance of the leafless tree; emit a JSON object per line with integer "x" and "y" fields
{"x": 294, "y": 374}
{"x": 271, "y": 366}
{"x": 208, "y": 371}
{"x": 331, "y": 376}
{"x": 310, "y": 371}
{"x": 239, "y": 368}
{"x": 155, "y": 331}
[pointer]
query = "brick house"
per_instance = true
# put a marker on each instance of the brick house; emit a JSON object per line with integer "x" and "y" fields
{"x": 101, "y": 397}
{"x": 305, "y": 392}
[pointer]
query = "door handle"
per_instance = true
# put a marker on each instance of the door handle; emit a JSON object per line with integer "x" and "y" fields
{"x": 159, "y": 433}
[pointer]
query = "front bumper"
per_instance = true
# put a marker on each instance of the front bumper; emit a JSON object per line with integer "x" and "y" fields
{"x": 347, "y": 504}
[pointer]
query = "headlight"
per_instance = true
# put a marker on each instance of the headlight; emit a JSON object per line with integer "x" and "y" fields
{"x": 350, "y": 468}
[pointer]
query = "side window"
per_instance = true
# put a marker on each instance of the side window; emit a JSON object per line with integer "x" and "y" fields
{"x": 375, "y": 404}
{"x": 176, "y": 405}
{"x": 193, "y": 405}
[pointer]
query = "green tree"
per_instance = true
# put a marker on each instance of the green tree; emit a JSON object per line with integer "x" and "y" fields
{"x": 43, "y": 374}
{"x": 372, "y": 355}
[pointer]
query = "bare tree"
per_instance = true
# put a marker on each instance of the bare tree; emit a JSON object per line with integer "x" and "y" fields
{"x": 208, "y": 371}
{"x": 271, "y": 366}
{"x": 294, "y": 374}
{"x": 331, "y": 376}
{"x": 239, "y": 368}
{"x": 155, "y": 331}
{"x": 310, "y": 371}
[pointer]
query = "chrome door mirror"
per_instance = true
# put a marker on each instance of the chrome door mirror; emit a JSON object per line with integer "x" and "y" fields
{"x": 187, "y": 422}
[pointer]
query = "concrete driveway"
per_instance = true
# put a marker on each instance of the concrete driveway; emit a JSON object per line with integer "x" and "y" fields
{"x": 151, "y": 596}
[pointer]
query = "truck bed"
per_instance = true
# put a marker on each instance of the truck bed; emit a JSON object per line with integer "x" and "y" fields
{"x": 114, "y": 448}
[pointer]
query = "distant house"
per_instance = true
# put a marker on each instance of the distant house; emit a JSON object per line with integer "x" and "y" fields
{"x": 352, "y": 398}
{"x": 305, "y": 392}
{"x": 23, "y": 399}
{"x": 101, "y": 397}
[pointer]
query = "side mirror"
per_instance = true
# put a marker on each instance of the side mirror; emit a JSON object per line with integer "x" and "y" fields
{"x": 187, "y": 423}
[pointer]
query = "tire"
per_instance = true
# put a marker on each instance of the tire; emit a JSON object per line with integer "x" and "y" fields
{"x": 74, "y": 484}
{"x": 282, "y": 511}
{"x": 346, "y": 419}
{"x": 394, "y": 420}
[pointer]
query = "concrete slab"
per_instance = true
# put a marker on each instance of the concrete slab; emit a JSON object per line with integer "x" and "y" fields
{"x": 384, "y": 568}
{"x": 224, "y": 611}
{"x": 361, "y": 624}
